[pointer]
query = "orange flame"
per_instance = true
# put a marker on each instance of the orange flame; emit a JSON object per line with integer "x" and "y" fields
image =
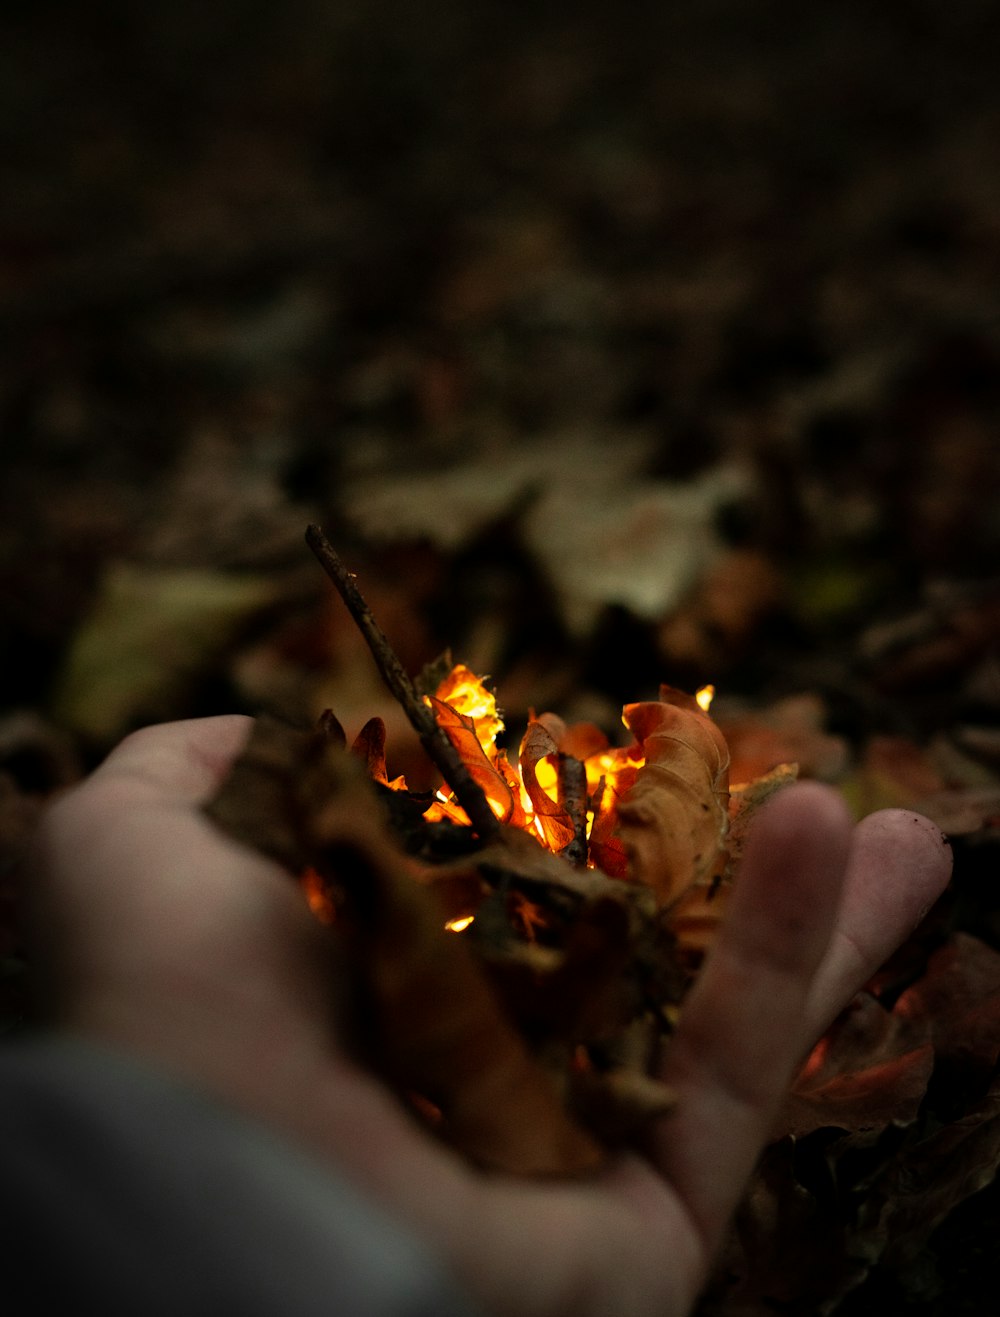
{"x": 467, "y": 694}
{"x": 610, "y": 770}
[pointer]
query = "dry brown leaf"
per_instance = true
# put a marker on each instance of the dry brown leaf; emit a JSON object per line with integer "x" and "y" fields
{"x": 461, "y": 732}
{"x": 870, "y": 1070}
{"x": 673, "y": 820}
{"x": 915, "y": 1093}
{"x": 607, "y": 850}
{"x": 697, "y": 915}
{"x": 556, "y": 824}
{"x": 581, "y": 740}
{"x": 917, "y": 1192}
{"x": 369, "y": 747}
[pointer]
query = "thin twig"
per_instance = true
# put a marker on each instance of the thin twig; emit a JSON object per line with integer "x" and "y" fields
{"x": 573, "y": 798}
{"x": 439, "y": 749}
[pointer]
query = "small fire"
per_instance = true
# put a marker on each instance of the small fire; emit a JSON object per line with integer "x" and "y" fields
{"x": 610, "y": 771}
{"x": 467, "y": 694}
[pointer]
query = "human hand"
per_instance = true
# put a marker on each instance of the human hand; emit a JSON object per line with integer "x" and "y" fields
{"x": 157, "y": 934}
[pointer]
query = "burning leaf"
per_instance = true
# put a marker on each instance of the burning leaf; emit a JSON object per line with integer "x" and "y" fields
{"x": 674, "y": 818}
{"x": 606, "y": 848}
{"x": 554, "y": 822}
{"x": 469, "y": 695}
{"x": 581, "y": 740}
{"x": 580, "y": 974}
{"x": 462, "y": 733}
{"x": 466, "y": 711}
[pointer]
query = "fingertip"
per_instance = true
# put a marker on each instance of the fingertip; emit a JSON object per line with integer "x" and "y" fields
{"x": 908, "y": 850}
{"x": 906, "y": 823}
{"x": 900, "y": 864}
{"x": 805, "y": 815}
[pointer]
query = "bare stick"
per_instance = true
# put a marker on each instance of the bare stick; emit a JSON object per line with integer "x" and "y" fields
{"x": 439, "y": 749}
{"x": 573, "y": 798}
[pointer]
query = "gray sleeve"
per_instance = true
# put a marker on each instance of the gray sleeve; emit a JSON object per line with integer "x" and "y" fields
{"x": 122, "y": 1192}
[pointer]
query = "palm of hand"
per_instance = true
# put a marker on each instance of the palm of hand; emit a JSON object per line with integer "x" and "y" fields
{"x": 167, "y": 939}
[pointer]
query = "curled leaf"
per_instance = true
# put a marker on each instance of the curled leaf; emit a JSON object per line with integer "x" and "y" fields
{"x": 554, "y": 820}
{"x": 606, "y": 848}
{"x": 460, "y": 730}
{"x": 674, "y": 819}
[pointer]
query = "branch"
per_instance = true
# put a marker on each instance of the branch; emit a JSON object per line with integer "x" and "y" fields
{"x": 439, "y": 749}
{"x": 573, "y": 798}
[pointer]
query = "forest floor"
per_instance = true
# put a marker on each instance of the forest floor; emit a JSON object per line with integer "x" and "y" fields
{"x": 607, "y": 353}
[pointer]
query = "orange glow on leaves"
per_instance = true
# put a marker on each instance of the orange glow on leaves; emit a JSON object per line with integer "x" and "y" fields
{"x": 655, "y": 807}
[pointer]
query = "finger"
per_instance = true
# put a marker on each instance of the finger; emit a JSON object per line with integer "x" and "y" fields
{"x": 900, "y": 864}
{"x": 739, "y": 1037}
{"x": 185, "y": 761}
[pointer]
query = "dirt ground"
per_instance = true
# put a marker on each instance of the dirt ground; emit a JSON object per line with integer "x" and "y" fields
{"x": 610, "y": 347}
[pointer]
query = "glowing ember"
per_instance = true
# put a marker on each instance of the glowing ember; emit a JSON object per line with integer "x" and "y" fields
{"x": 459, "y": 925}
{"x": 704, "y": 698}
